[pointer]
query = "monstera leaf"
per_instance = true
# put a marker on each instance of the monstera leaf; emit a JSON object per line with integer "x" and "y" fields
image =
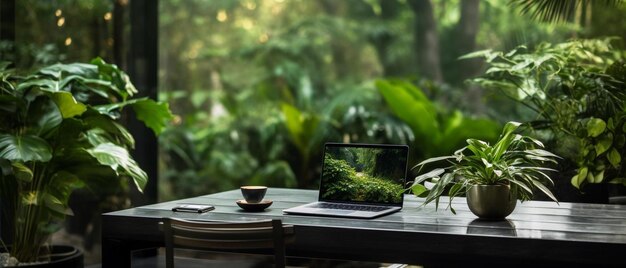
{"x": 154, "y": 115}
{"x": 43, "y": 117}
{"x": 119, "y": 160}
{"x": 67, "y": 105}
{"x": 24, "y": 148}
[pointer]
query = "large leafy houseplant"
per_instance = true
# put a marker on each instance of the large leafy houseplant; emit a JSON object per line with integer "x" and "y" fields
{"x": 60, "y": 131}
{"x": 577, "y": 91}
{"x": 514, "y": 160}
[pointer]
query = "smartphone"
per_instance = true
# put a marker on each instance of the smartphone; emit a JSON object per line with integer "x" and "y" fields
{"x": 193, "y": 208}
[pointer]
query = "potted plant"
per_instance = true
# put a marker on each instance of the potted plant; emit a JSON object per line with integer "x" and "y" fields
{"x": 492, "y": 176}
{"x": 60, "y": 131}
{"x": 576, "y": 95}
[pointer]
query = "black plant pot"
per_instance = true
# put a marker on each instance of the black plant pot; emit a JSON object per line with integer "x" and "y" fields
{"x": 62, "y": 257}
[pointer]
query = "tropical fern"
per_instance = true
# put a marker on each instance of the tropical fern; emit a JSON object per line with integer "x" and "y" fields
{"x": 554, "y": 11}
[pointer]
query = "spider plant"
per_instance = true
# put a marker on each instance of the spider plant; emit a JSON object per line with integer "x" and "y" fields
{"x": 514, "y": 160}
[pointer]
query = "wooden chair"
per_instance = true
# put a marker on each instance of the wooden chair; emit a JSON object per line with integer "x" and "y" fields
{"x": 269, "y": 235}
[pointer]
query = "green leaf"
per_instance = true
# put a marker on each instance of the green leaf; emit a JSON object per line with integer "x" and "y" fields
{"x": 96, "y": 87}
{"x": 540, "y": 152}
{"x": 30, "y": 198}
{"x": 577, "y": 180}
{"x": 55, "y": 205}
{"x": 72, "y": 130}
{"x": 24, "y": 148}
{"x": 434, "y": 159}
{"x": 78, "y": 162}
{"x": 439, "y": 187}
{"x": 476, "y": 54}
{"x": 590, "y": 177}
{"x": 119, "y": 79}
{"x": 521, "y": 65}
{"x": 604, "y": 144}
{"x": 118, "y": 159}
{"x": 540, "y": 158}
{"x": 599, "y": 177}
{"x": 43, "y": 116}
{"x": 418, "y": 189}
{"x": 431, "y": 174}
{"x": 294, "y": 123}
{"x": 522, "y": 185}
{"x": 505, "y": 139}
{"x": 544, "y": 189}
{"x": 543, "y": 59}
{"x": 44, "y": 84}
{"x": 57, "y": 70}
{"x": 154, "y": 114}
{"x": 595, "y": 127}
{"x": 411, "y": 105}
{"x": 614, "y": 157}
{"x": 478, "y": 147}
{"x": 61, "y": 186}
{"x": 582, "y": 173}
{"x": 68, "y": 106}
{"x": 455, "y": 190}
{"x": 109, "y": 126}
{"x": 10, "y": 103}
{"x": 22, "y": 172}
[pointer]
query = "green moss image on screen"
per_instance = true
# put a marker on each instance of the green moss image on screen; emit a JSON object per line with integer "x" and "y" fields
{"x": 360, "y": 174}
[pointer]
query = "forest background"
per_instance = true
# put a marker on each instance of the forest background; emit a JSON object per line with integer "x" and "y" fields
{"x": 259, "y": 86}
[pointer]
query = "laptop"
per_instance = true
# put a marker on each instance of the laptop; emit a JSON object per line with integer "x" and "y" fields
{"x": 359, "y": 181}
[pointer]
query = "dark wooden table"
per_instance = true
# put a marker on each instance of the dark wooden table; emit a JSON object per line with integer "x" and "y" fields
{"x": 536, "y": 234}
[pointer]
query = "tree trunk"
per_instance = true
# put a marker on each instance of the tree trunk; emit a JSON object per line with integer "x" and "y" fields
{"x": 426, "y": 40}
{"x": 383, "y": 39}
{"x": 465, "y": 33}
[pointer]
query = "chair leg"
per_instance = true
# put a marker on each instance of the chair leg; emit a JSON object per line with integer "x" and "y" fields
{"x": 169, "y": 257}
{"x": 169, "y": 244}
{"x": 279, "y": 243}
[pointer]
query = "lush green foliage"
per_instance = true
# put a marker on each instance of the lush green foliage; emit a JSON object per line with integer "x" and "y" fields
{"x": 260, "y": 85}
{"x": 513, "y": 160}
{"x": 437, "y": 130}
{"x": 252, "y": 56}
{"x": 577, "y": 91}
{"x": 59, "y": 131}
{"x": 342, "y": 182}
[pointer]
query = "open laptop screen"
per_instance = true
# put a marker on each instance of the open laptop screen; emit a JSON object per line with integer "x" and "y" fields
{"x": 364, "y": 173}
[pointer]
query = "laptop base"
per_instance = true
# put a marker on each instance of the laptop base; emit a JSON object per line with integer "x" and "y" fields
{"x": 312, "y": 209}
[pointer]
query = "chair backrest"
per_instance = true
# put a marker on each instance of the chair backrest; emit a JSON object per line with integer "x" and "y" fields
{"x": 268, "y": 234}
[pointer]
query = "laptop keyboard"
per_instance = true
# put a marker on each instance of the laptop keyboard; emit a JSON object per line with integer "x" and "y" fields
{"x": 350, "y": 207}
